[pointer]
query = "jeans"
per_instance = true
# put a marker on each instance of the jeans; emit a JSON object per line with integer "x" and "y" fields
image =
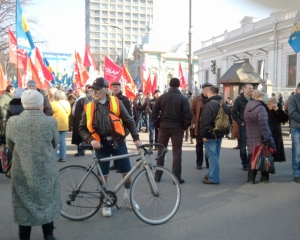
{"x": 295, "y": 151}
{"x": 176, "y": 135}
{"x": 145, "y": 118}
{"x": 243, "y": 144}
{"x": 62, "y": 145}
{"x": 212, "y": 150}
{"x": 152, "y": 130}
{"x": 199, "y": 152}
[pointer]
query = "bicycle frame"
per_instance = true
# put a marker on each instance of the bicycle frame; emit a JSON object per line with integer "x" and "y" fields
{"x": 104, "y": 186}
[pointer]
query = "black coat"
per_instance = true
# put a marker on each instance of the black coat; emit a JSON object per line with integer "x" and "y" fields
{"x": 172, "y": 110}
{"x": 208, "y": 115}
{"x": 238, "y": 109}
{"x": 125, "y": 102}
{"x": 275, "y": 120}
{"x": 76, "y": 138}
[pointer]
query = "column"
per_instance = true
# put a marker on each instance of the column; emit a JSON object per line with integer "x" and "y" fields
{"x": 271, "y": 58}
{"x": 279, "y": 62}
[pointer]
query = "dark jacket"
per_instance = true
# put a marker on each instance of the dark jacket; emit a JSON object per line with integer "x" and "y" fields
{"x": 15, "y": 107}
{"x": 196, "y": 107}
{"x": 140, "y": 104}
{"x": 150, "y": 106}
{"x": 238, "y": 109}
{"x": 47, "y": 107}
{"x": 281, "y": 101}
{"x": 172, "y": 110}
{"x": 125, "y": 102}
{"x": 209, "y": 113}
{"x": 294, "y": 110}
{"x": 5, "y": 98}
{"x": 257, "y": 126}
{"x": 276, "y": 118}
{"x": 99, "y": 119}
{"x": 76, "y": 138}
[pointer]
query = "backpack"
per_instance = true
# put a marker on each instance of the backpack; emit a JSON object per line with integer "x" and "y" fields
{"x": 222, "y": 123}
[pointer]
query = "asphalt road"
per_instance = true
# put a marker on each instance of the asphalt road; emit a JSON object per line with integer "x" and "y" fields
{"x": 231, "y": 210}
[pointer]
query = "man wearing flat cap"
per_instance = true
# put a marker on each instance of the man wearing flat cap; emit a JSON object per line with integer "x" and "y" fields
{"x": 47, "y": 107}
{"x": 196, "y": 107}
{"x": 171, "y": 115}
{"x": 103, "y": 125}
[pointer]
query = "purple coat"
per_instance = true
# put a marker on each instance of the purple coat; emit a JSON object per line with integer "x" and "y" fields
{"x": 257, "y": 128}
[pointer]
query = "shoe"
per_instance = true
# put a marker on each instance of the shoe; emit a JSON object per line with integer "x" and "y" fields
{"x": 199, "y": 167}
{"x": 237, "y": 147}
{"x": 249, "y": 181}
{"x": 205, "y": 177}
{"x": 78, "y": 154}
{"x": 106, "y": 211}
{"x": 206, "y": 181}
{"x": 61, "y": 160}
{"x": 126, "y": 201}
{"x": 49, "y": 238}
{"x": 245, "y": 168}
{"x": 297, "y": 179}
{"x": 181, "y": 181}
{"x": 113, "y": 167}
{"x": 264, "y": 181}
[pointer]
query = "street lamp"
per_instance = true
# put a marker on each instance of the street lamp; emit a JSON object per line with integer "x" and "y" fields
{"x": 113, "y": 26}
{"x": 190, "y": 78}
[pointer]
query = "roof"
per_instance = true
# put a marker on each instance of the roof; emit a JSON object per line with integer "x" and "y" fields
{"x": 241, "y": 72}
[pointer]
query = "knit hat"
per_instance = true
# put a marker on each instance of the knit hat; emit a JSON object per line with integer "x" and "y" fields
{"x": 32, "y": 99}
{"x": 174, "y": 82}
{"x": 31, "y": 83}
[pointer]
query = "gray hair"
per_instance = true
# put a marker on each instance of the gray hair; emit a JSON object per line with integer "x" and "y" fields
{"x": 59, "y": 95}
{"x": 107, "y": 91}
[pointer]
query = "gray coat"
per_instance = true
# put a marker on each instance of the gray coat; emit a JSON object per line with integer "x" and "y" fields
{"x": 294, "y": 110}
{"x": 32, "y": 137}
{"x": 257, "y": 128}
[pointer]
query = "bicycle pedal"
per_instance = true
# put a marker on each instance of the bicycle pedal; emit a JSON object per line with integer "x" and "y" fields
{"x": 118, "y": 206}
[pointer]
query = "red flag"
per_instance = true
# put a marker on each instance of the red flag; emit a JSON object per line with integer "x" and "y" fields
{"x": 3, "y": 83}
{"x": 128, "y": 83}
{"x": 20, "y": 80}
{"x": 181, "y": 78}
{"x": 148, "y": 86}
{"x": 112, "y": 72}
{"x": 16, "y": 55}
{"x": 32, "y": 74}
{"x": 81, "y": 74}
{"x": 154, "y": 84}
{"x": 88, "y": 58}
{"x": 44, "y": 74}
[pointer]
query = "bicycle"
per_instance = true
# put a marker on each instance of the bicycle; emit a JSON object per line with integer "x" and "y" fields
{"x": 83, "y": 192}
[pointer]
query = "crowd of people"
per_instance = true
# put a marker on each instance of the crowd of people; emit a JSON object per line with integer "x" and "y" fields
{"x": 103, "y": 118}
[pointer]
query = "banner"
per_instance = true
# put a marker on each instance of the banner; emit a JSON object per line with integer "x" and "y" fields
{"x": 24, "y": 38}
{"x": 32, "y": 74}
{"x": 16, "y": 55}
{"x": 112, "y": 72}
{"x": 88, "y": 58}
{"x": 154, "y": 84}
{"x": 181, "y": 78}
{"x": 81, "y": 74}
{"x": 148, "y": 87}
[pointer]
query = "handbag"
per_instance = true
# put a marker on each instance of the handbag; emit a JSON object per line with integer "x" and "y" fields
{"x": 192, "y": 131}
{"x": 4, "y": 159}
{"x": 262, "y": 159}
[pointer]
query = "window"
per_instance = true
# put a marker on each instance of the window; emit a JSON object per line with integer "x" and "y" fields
{"x": 104, "y": 5}
{"x": 260, "y": 68}
{"x": 135, "y": 30}
{"x": 119, "y": 43}
{"x": 112, "y": 14}
{"x": 112, "y": 6}
{"x": 97, "y": 41}
{"x": 127, "y": 22}
{"x": 104, "y": 35}
{"x": 135, "y": 22}
{"x": 120, "y": 21}
{"x": 113, "y": 21}
{"x": 206, "y": 76}
{"x": 97, "y": 12}
{"x": 104, "y": 42}
{"x": 127, "y": 15}
{"x": 127, "y": 36}
{"x": 120, "y": 7}
{"x": 143, "y": 9}
{"x": 112, "y": 35}
{"x": 292, "y": 70}
{"x": 97, "y": 19}
{"x": 135, "y": 15}
{"x": 127, "y": 29}
{"x": 120, "y": 14}
{"x": 104, "y": 49}
{"x": 135, "y": 8}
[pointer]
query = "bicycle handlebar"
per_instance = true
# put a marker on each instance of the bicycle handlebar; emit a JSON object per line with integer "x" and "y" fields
{"x": 88, "y": 146}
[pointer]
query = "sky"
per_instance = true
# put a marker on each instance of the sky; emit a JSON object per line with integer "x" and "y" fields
{"x": 62, "y": 23}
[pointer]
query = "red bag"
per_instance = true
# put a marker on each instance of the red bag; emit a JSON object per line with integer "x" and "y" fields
{"x": 4, "y": 159}
{"x": 256, "y": 152}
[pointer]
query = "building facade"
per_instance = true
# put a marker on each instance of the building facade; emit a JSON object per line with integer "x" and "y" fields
{"x": 111, "y": 26}
{"x": 264, "y": 43}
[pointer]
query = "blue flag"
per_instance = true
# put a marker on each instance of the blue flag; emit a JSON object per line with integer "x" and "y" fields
{"x": 24, "y": 38}
{"x": 294, "y": 40}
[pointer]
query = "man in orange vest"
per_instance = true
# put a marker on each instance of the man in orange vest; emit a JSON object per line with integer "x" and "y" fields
{"x": 102, "y": 126}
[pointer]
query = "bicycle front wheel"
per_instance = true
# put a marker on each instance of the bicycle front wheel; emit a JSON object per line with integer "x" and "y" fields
{"x": 83, "y": 203}
{"x": 153, "y": 209}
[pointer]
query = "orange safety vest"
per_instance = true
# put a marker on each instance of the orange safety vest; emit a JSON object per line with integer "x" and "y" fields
{"x": 114, "y": 107}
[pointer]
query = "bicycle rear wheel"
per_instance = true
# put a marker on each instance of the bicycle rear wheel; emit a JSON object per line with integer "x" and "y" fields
{"x": 83, "y": 203}
{"x": 152, "y": 209}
